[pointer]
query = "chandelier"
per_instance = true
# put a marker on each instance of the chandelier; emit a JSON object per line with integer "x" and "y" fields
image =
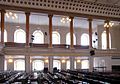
{"x": 65, "y": 19}
{"x": 11, "y": 15}
{"x": 107, "y": 25}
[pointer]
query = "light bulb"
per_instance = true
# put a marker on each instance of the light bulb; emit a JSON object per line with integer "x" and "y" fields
{"x": 10, "y": 60}
{"x": 10, "y": 13}
{"x": 63, "y": 61}
{"x": 46, "y": 61}
{"x": 78, "y": 61}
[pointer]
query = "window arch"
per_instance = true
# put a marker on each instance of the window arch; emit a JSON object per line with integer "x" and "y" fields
{"x": 19, "y": 65}
{"x": 38, "y": 37}
{"x": 68, "y": 64}
{"x": 68, "y": 39}
{"x": 57, "y": 63}
{"x": 19, "y": 36}
{"x": 85, "y": 39}
{"x": 55, "y": 37}
{"x": 104, "y": 40}
{"x": 102, "y": 63}
{"x": 84, "y": 64}
{"x": 37, "y": 65}
{"x": 5, "y": 36}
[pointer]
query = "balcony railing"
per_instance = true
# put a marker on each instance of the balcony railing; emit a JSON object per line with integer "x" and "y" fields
{"x": 32, "y": 45}
{"x": 57, "y": 50}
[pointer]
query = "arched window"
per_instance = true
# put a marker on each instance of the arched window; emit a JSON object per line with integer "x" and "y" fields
{"x": 68, "y": 39}
{"x": 38, "y": 37}
{"x": 104, "y": 41}
{"x": 55, "y": 37}
{"x": 85, "y": 39}
{"x": 37, "y": 65}
{"x": 68, "y": 64}
{"x": 19, "y": 65}
{"x": 57, "y": 63}
{"x": 19, "y": 36}
{"x": 84, "y": 64}
{"x": 101, "y": 63}
{"x": 5, "y": 36}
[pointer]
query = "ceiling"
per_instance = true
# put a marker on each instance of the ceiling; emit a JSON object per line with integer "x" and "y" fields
{"x": 111, "y": 2}
{"x": 42, "y": 19}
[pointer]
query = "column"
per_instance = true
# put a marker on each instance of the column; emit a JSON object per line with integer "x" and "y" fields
{"x": 78, "y": 64}
{"x": 27, "y": 64}
{"x": 63, "y": 64}
{"x": 50, "y": 30}
{"x": 50, "y": 63}
{"x": 90, "y": 32}
{"x": 108, "y": 64}
{"x": 71, "y": 33}
{"x": 2, "y": 59}
{"x": 91, "y": 60}
{"x": 27, "y": 28}
{"x": 107, "y": 34}
{"x": 2, "y": 25}
{"x": 72, "y": 59}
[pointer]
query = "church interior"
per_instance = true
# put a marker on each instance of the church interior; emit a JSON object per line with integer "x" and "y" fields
{"x": 59, "y": 42}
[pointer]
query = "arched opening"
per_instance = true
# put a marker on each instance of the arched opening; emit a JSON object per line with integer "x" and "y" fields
{"x": 85, "y": 39}
{"x": 19, "y": 36}
{"x": 104, "y": 40}
{"x": 68, "y": 39}
{"x": 57, "y": 63}
{"x": 38, "y": 37}
{"x": 37, "y": 65}
{"x": 19, "y": 65}
{"x": 84, "y": 64}
{"x": 68, "y": 64}
{"x": 55, "y": 37}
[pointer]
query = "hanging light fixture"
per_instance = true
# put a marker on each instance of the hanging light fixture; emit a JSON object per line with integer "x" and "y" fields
{"x": 12, "y": 15}
{"x": 108, "y": 24}
{"x": 65, "y": 19}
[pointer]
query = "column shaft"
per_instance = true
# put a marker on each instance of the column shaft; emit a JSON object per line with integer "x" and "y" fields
{"x": 72, "y": 59}
{"x": 50, "y": 30}
{"x": 2, "y": 59}
{"x": 27, "y": 28}
{"x": 50, "y": 63}
{"x": 90, "y": 32}
{"x": 91, "y": 60}
{"x": 27, "y": 64}
{"x": 107, "y": 37}
{"x": 71, "y": 33}
{"x": 2, "y": 25}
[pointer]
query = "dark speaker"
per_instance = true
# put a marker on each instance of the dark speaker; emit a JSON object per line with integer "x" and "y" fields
{"x": 45, "y": 33}
{"x": 92, "y": 52}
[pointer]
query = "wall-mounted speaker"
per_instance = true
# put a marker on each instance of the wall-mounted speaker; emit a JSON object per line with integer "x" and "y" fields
{"x": 92, "y": 52}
